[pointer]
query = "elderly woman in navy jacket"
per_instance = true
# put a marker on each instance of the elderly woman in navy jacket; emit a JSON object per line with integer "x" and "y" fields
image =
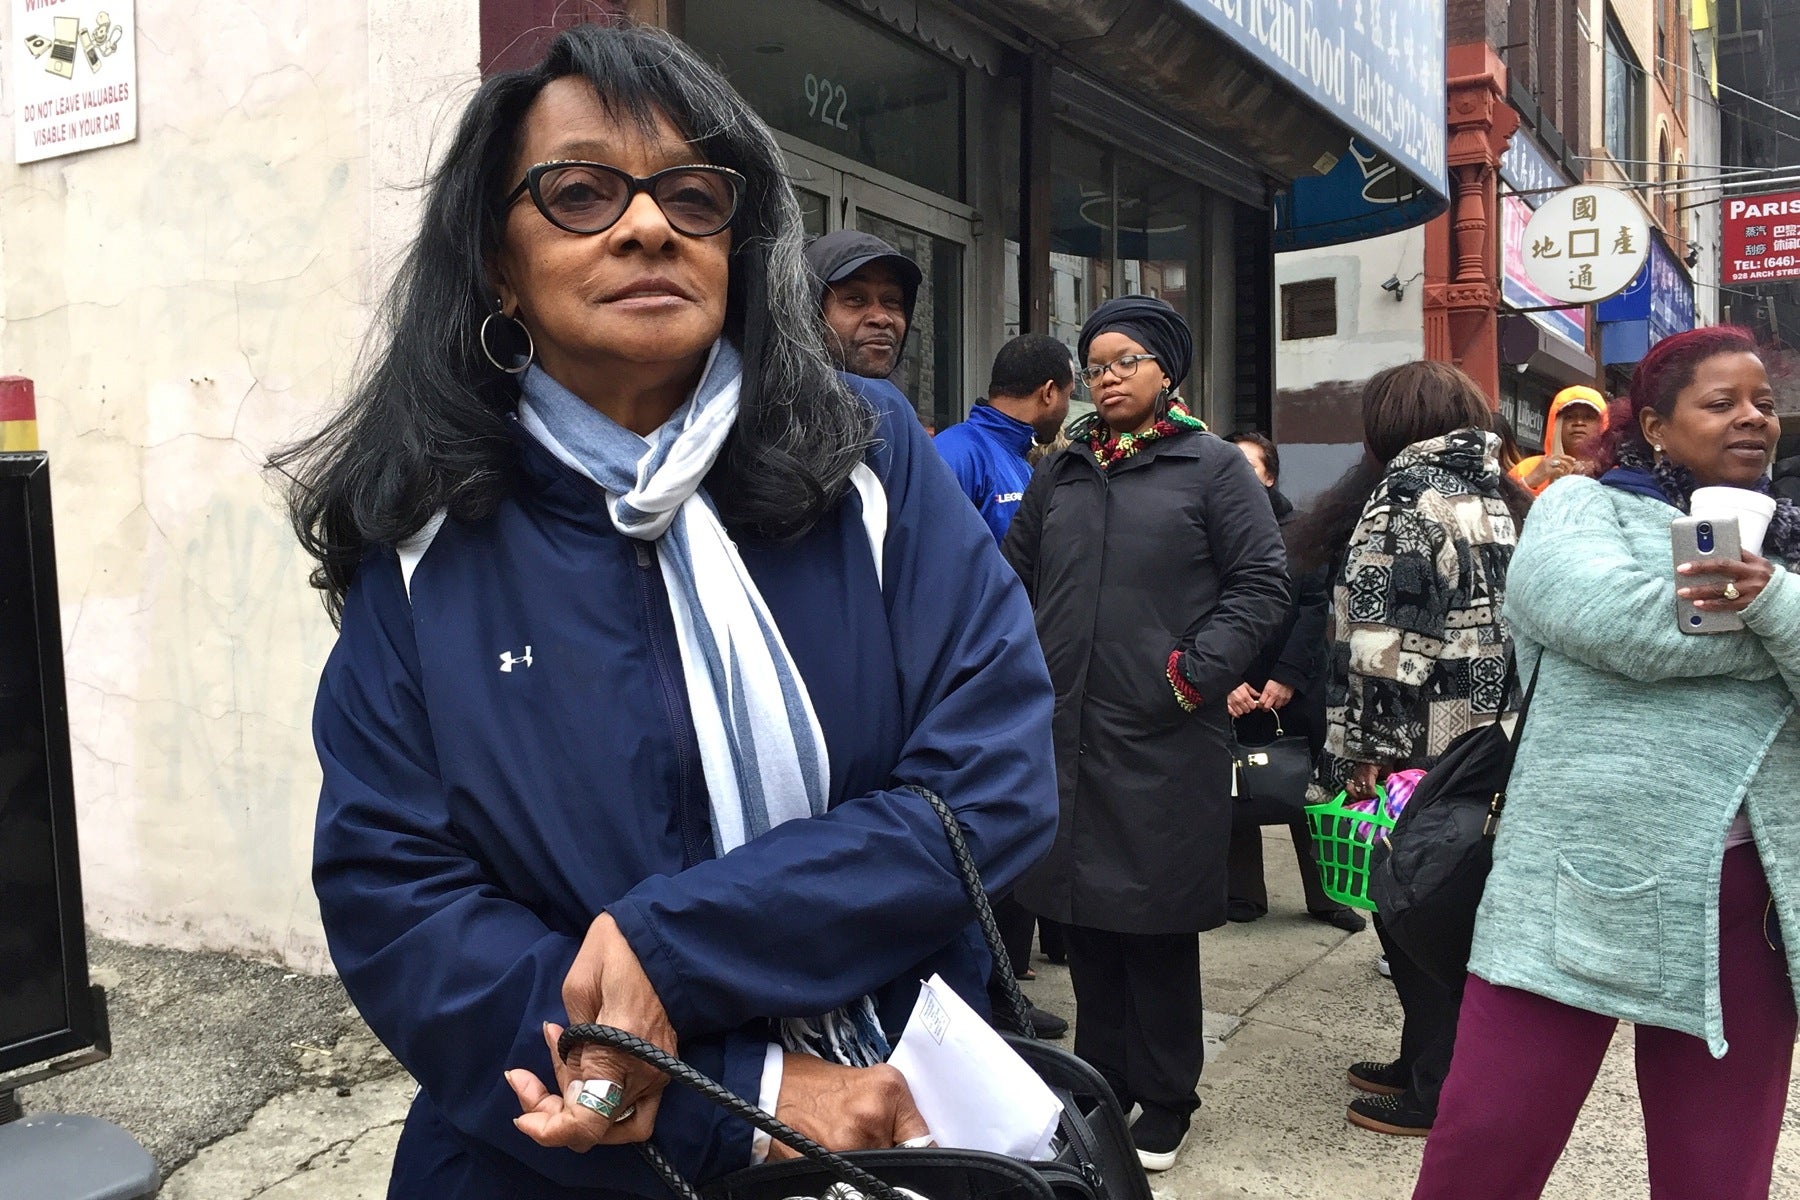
{"x": 648, "y": 622}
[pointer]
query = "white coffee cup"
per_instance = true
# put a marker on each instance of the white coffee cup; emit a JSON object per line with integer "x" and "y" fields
{"x": 1753, "y": 511}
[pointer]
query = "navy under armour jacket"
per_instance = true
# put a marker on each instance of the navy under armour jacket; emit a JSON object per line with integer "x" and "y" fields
{"x": 508, "y": 751}
{"x": 987, "y": 453}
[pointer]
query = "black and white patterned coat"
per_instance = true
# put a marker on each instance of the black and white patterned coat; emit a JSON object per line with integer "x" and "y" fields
{"x": 1419, "y": 645}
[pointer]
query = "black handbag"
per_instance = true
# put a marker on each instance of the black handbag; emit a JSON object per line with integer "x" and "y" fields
{"x": 1429, "y": 884}
{"x": 1095, "y": 1157}
{"x": 1273, "y": 774}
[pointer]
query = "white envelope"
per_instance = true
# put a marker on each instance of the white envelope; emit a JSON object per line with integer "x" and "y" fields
{"x": 973, "y": 1090}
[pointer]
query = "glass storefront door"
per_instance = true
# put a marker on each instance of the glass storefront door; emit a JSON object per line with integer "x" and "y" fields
{"x": 932, "y": 231}
{"x": 820, "y": 190}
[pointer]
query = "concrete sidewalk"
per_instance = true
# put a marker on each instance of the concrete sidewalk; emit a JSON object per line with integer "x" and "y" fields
{"x": 246, "y": 1081}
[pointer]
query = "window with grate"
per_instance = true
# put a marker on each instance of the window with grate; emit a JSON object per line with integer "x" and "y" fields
{"x": 1308, "y": 309}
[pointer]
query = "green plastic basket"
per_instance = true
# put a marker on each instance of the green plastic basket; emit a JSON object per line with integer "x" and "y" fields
{"x": 1344, "y": 838}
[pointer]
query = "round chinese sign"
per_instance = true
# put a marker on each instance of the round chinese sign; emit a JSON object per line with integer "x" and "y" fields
{"x": 1585, "y": 244}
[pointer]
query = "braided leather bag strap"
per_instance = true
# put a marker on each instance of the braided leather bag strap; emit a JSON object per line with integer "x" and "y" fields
{"x": 984, "y": 912}
{"x": 731, "y": 1102}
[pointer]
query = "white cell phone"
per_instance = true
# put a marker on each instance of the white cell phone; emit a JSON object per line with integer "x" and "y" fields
{"x": 1695, "y": 540}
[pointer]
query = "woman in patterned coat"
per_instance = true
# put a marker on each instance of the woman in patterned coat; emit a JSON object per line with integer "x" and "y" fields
{"x": 1418, "y": 648}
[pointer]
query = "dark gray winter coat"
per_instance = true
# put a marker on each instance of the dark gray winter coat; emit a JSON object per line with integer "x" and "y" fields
{"x": 1174, "y": 548}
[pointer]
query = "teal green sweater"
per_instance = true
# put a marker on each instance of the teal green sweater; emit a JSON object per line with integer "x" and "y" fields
{"x": 1641, "y": 744}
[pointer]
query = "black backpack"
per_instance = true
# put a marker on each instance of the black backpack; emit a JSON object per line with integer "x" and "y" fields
{"x": 1429, "y": 884}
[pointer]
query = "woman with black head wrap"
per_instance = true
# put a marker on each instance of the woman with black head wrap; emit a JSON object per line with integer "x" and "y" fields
{"x": 1155, "y": 567}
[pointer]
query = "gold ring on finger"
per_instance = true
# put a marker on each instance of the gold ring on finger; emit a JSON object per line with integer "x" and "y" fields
{"x": 1731, "y": 591}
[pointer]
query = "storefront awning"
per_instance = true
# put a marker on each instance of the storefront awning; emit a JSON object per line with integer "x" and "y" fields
{"x": 1364, "y": 196}
{"x": 1287, "y": 85}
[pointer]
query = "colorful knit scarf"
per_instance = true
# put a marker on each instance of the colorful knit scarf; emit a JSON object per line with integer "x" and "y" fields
{"x": 1111, "y": 448}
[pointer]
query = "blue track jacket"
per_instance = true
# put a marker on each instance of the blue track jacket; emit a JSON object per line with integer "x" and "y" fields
{"x": 509, "y": 751}
{"x": 986, "y": 453}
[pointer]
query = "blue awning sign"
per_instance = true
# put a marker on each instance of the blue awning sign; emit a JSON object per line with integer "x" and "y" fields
{"x": 1365, "y": 195}
{"x": 1377, "y": 66}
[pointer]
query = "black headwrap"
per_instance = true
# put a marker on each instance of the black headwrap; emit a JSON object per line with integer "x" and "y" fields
{"x": 1150, "y": 323}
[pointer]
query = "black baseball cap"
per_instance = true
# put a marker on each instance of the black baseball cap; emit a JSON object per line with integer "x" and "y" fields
{"x": 837, "y": 256}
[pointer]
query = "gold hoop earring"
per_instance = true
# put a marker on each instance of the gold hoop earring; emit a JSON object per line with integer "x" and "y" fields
{"x": 530, "y": 345}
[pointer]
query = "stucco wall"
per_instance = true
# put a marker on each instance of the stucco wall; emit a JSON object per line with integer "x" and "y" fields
{"x": 185, "y": 302}
{"x": 1318, "y": 381}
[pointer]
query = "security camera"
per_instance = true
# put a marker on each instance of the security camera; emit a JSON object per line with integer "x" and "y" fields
{"x": 1394, "y": 287}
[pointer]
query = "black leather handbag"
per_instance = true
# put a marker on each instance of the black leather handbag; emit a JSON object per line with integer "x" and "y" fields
{"x": 1095, "y": 1157}
{"x": 1272, "y": 774}
{"x": 1429, "y": 884}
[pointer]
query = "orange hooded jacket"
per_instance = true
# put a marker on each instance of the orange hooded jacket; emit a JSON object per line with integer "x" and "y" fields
{"x": 1577, "y": 394}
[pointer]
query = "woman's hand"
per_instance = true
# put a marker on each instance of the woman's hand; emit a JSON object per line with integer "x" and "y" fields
{"x": 1243, "y": 699}
{"x": 1362, "y": 781}
{"x": 1745, "y": 581}
{"x": 1551, "y": 468}
{"x": 605, "y": 986}
{"x": 1275, "y": 696}
{"x": 845, "y": 1108}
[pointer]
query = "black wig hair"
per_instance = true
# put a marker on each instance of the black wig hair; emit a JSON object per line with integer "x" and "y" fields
{"x": 424, "y": 428}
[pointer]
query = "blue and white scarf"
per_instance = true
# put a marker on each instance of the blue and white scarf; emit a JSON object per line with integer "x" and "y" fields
{"x": 761, "y": 748}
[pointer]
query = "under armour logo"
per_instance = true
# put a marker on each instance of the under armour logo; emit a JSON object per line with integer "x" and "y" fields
{"x": 510, "y": 660}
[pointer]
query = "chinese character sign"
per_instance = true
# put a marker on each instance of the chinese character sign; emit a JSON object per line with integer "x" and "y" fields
{"x": 1761, "y": 238}
{"x": 74, "y": 76}
{"x": 1585, "y": 243}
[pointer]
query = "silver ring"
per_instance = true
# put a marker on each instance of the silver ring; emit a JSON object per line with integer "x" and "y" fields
{"x": 1731, "y": 591}
{"x": 604, "y": 1097}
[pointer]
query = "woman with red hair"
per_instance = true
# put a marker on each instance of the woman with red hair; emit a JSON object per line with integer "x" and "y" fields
{"x": 1645, "y": 866}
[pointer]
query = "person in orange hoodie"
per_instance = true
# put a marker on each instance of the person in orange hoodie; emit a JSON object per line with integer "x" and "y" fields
{"x": 1572, "y": 432}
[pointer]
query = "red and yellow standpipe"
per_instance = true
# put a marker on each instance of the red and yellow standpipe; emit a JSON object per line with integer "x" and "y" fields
{"x": 18, "y": 414}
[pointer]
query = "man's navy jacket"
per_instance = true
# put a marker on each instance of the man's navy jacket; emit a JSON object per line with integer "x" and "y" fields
{"x": 507, "y": 751}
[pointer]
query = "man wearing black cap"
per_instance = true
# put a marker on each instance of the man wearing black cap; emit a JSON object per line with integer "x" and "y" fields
{"x": 867, "y": 290}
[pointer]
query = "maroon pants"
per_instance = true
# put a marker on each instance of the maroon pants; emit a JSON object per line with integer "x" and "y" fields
{"x": 1524, "y": 1065}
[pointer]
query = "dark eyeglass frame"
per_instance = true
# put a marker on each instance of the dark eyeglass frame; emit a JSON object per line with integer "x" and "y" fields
{"x": 1122, "y": 368}
{"x": 634, "y": 184}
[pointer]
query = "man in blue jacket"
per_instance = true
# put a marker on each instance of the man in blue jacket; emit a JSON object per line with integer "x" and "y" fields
{"x": 1027, "y": 400}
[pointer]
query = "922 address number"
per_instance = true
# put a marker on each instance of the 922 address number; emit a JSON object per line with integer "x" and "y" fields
{"x": 827, "y": 101}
